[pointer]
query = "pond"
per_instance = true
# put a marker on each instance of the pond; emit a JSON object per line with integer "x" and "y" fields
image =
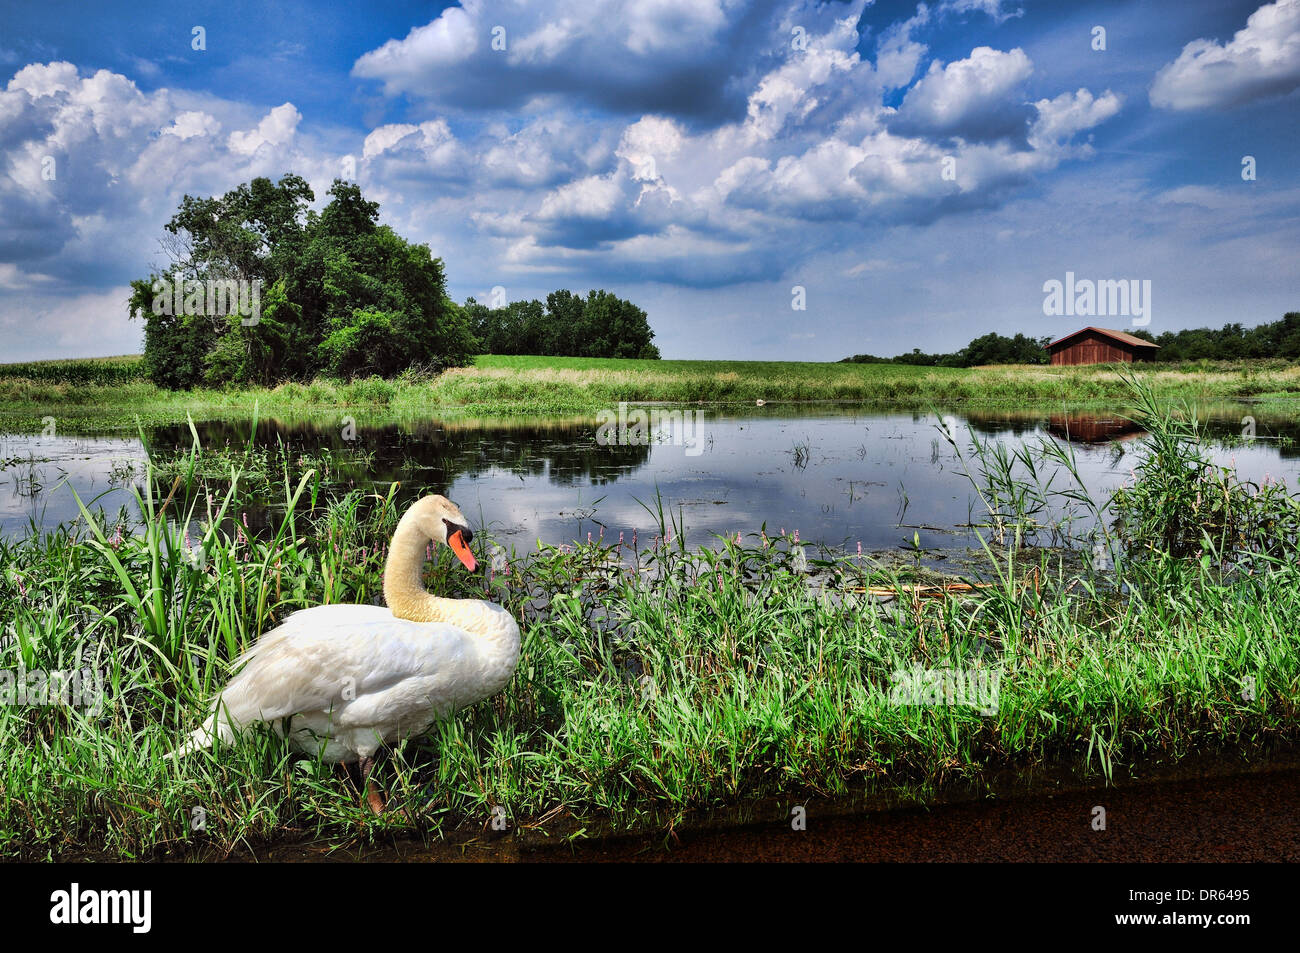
{"x": 840, "y": 475}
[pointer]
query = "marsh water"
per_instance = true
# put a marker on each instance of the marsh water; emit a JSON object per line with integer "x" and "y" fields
{"x": 840, "y": 475}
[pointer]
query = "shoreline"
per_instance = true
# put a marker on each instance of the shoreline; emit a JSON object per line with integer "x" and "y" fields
{"x": 514, "y": 387}
{"x": 960, "y": 822}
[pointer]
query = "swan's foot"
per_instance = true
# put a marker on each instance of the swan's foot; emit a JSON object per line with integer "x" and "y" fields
{"x": 374, "y": 796}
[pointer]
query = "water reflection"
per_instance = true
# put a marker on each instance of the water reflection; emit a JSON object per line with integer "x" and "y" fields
{"x": 840, "y": 475}
{"x": 563, "y": 453}
{"x": 1092, "y": 428}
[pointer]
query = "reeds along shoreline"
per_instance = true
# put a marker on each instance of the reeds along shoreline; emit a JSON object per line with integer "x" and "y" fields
{"x": 527, "y": 385}
{"x": 759, "y": 668}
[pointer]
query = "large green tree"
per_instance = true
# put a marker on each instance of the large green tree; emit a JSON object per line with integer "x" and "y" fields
{"x": 341, "y": 294}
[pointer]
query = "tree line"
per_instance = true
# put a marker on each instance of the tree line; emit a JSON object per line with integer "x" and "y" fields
{"x": 599, "y": 325}
{"x": 1277, "y": 339}
{"x": 991, "y": 348}
{"x": 261, "y": 288}
{"x": 1280, "y": 339}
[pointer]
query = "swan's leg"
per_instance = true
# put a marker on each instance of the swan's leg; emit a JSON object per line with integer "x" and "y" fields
{"x": 374, "y": 797}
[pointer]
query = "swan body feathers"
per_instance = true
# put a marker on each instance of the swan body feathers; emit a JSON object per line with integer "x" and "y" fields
{"x": 340, "y": 681}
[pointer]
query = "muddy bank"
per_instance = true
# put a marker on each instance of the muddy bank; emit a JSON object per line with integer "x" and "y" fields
{"x": 1244, "y": 819}
{"x": 1210, "y": 812}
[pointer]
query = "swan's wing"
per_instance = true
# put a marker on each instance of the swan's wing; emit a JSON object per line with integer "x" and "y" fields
{"x": 329, "y": 656}
{"x": 307, "y": 620}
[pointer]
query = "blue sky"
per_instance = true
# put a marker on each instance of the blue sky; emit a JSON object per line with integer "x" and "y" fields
{"x": 920, "y": 171}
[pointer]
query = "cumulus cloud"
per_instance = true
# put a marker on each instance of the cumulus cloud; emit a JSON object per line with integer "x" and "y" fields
{"x": 801, "y": 88}
{"x": 685, "y": 58}
{"x": 974, "y": 98}
{"x": 705, "y": 186}
{"x": 1068, "y": 114}
{"x": 93, "y": 167}
{"x": 646, "y": 143}
{"x": 676, "y": 202}
{"x": 593, "y": 198}
{"x": 404, "y": 153}
{"x": 383, "y": 138}
{"x": 544, "y": 152}
{"x": 277, "y": 128}
{"x": 1261, "y": 60}
{"x": 898, "y": 54}
{"x": 193, "y": 123}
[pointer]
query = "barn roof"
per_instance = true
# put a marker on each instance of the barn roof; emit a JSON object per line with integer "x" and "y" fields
{"x": 1109, "y": 332}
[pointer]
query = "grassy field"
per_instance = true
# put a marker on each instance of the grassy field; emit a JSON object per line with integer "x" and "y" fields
{"x": 110, "y": 393}
{"x": 652, "y": 682}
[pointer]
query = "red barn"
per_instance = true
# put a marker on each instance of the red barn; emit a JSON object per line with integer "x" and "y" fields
{"x": 1100, "y": 346}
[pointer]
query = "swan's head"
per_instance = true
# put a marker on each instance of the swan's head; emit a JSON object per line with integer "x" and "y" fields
{"x": 442, "y": 521}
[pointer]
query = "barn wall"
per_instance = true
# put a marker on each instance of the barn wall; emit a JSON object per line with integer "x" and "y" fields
{"x": 1091, "y": 348}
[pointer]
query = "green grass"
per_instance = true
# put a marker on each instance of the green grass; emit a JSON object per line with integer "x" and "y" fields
{"x": 502, "y": 386}
{"x": 714, "y": 678}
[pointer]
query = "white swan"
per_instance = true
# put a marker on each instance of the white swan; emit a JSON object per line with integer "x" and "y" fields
{"x": 342, "y": 680}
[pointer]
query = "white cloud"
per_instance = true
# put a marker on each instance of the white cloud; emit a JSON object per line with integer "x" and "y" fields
{"x": 384, "y": 138}
{"x": 648, "y": 142}
{"x": 448, "y": 40}
{"x": 45, "y": 79}
{"x": 594, "y": 197}
{"x": 655, "y": 26}
{"x": 277, "y": 128}
{"x": 1069, "y": 113}
{"x": 790, "y": 93}
{"x": 681, "y": 58}
{"x": 13, "y": 279}
{"x": 628, "y": 192}
{"x": 991, "y": 7}
{"x": 967, "y": 96}
{"x": 1261, "y": 60}
{"x": 898, "y": 54}
{"x": 121, "y": 160}
{"x": 544, "y": 152}
{"x": 193, "y": 123}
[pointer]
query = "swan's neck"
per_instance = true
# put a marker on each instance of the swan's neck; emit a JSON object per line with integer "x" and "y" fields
{"x": 404, "y": 584}
{"x": 495, "y": 633}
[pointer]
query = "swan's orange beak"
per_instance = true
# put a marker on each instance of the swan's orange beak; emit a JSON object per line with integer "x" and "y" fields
{"x": 457, "y": 544}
